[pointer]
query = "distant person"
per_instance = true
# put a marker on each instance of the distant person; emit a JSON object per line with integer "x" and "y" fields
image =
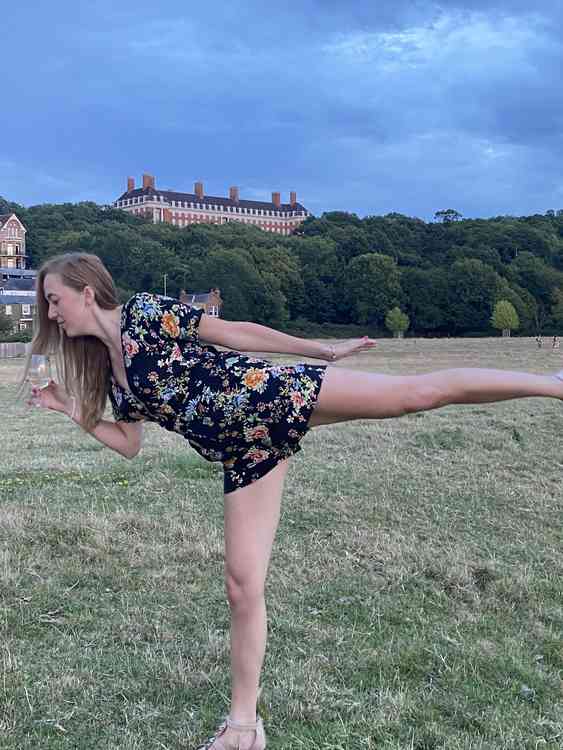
{"x": 555, "y": 343}
{"x": 155, "y": 359}
{"x": 539, "y": 342}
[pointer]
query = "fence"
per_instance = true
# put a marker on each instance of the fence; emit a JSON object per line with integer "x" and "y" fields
{"x": 13, "y": 350}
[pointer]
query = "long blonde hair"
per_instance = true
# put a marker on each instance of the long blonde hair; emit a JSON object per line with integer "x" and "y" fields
{"x": 82, "y": 362}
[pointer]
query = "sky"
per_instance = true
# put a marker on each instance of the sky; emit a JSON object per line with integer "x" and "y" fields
{"x": 370, "y": 107}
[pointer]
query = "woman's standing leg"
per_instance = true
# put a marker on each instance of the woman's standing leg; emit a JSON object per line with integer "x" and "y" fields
{"x": 251, "y": 519}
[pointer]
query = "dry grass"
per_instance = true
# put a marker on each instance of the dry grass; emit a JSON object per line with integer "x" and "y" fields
{"x": 415, "y": 596}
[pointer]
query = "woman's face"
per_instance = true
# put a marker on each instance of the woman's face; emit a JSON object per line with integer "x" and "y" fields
{"x": 66, "y": 306}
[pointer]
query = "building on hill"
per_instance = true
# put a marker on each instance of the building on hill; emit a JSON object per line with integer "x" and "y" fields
{"x": 183, "y": 209}
{"x": 12, "y": 242}
{"x": 210, "y": 302}
{"x": 17, "y": 296}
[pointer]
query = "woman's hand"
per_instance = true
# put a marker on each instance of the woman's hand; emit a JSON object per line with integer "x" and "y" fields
{"x": 350, "y": 346}
{"x": 53, "y": 396}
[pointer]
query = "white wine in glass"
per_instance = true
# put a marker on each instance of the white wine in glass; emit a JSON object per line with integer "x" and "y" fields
{"x": 39, "y": 373}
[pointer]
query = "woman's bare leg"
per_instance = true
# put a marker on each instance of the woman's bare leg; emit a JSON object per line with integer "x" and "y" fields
{"x": 349, "y": 394}
{"x": 251, "y": 519}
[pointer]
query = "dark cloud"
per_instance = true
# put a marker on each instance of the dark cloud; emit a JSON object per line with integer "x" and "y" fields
{"x": 371, "y": 107}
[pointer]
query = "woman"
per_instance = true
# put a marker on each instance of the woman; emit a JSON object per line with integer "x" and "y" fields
{"x": 147, "y": 356}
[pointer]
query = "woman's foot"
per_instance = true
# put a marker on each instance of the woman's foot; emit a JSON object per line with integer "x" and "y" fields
{"x": 233, "y": 735}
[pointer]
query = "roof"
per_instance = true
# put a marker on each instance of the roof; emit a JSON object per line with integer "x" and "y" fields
{"x": 9, "y": 299}
{"x": 197, "y": 296}
{"x": 171, "y": 195}
{"x": 5, "y": 217}
{"x": 24, "y": 285}
{"x": 18, "y": 273}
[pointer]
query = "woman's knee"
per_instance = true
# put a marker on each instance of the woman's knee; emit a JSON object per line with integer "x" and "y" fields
{"x": 243, "y": 592}
{"x": 424, "y": 396}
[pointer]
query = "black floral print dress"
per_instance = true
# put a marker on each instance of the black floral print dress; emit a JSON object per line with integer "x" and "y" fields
{"x": 247, "y": 413}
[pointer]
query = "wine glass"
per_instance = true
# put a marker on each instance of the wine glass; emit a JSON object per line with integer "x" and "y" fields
{"x": 39, "y": 373}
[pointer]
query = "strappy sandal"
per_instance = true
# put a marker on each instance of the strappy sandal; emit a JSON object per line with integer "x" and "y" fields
{"x": 216, "y": 743}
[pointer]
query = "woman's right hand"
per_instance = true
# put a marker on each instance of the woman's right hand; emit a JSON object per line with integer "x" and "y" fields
{"x": 52, "y": 396}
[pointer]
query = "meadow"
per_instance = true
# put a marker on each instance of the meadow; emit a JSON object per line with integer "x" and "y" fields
{"x": 415, "y": 592}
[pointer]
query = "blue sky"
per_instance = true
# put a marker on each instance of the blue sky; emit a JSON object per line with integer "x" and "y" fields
{"x": 369, "y": 107}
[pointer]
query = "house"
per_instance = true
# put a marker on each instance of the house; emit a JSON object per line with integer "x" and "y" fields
{"x": 210, "y": 302}
{"x": 12, "y": 242}
{"x": 17, "y": 296}
{"x": 17, "y": 282}
{"x": 183, "y": 209}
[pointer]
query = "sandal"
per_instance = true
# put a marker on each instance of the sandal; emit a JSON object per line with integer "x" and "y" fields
{"x": 216, "y": 743}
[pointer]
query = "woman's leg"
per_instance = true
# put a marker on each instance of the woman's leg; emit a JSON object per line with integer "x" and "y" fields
{"x": 251, "y": 519}
{"x": 349, "y": 394}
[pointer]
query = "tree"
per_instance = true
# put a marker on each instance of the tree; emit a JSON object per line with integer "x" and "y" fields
{"x": 447, "y": 215}
{"x": 6, "y": 323}
{"x": 426, "y": 298}
{"x": 504, "y": 317}
{"x": 372, "y": 286}
{"x": 472, "y": 292}
{"x": 397, "y": 322}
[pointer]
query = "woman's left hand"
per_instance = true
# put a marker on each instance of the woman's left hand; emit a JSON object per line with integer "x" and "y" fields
{"x": 350, "y": 346}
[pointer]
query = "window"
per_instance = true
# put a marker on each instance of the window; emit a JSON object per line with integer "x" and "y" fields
{"x": 8, "y": 309}
{"x": 214, "y": 310}
{"x": 10, "y": 250}
{"x": 26, "y": 309}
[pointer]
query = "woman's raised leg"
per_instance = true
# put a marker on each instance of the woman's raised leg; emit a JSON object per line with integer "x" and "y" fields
{"x": 349, "y": 394}
{"x": 251, "y": 519}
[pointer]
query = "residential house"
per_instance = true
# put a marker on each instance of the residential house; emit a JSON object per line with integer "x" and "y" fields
{"x": 12, "y": 242}
{"x": 210, "y": 302}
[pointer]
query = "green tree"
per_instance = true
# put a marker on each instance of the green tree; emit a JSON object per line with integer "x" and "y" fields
{"x": 472, "y": 290}
{"x": 446, "y": 215}
{"x": 504, "y": 317}
{"x": 397, "y": 322}
{"x": 6, "y": 323}
{"x": 426, "y": 298}
{"x": 372, "y": 286}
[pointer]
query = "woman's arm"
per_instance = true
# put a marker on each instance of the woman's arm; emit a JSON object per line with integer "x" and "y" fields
{"x": 251, "y": 337}
{"x": 123, "y": 437}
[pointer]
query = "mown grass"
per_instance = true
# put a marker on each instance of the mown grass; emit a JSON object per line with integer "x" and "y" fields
{"x": 415, "y": 595}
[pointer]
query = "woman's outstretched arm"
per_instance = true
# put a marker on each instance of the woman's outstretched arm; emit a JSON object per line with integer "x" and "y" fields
{"x": 252, "y": 337}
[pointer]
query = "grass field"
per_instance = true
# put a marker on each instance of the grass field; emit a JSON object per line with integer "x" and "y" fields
{"x": 415, "y": 594}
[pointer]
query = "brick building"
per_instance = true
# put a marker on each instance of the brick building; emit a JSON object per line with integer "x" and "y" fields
{"x": 17, "y": 282}
{"x": 210, "y": 302}
{"x": 12, "y": 242}
{"x": 182, "y": 209}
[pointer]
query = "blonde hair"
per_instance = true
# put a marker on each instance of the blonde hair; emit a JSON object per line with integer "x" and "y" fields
{"x": 82, "y": 362}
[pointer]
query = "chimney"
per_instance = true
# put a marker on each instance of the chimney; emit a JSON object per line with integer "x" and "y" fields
{"x": 293, "y": 198}
{"x": 148, "y": 181}
{"x": 130, "y": 184}
{"x": 276, "y": 199}
{"x": 234, "y": 194}
{"x": 198, "y": 190}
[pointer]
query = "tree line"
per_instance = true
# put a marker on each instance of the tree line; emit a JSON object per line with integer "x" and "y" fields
{"x": 339, "y": 269}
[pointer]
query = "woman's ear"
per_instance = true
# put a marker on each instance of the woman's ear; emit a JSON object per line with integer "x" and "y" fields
{"x": 89, "y": 295}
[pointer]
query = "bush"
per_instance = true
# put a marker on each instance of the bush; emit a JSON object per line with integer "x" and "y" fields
{"x": 23, "y": 337}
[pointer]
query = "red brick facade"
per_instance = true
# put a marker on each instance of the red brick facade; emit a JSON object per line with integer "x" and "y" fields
{"x": 12, "y": 242}
{"x": 183, "y": 209}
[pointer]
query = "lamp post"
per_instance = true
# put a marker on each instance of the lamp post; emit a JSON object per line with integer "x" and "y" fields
{"x": 165, "y": 277}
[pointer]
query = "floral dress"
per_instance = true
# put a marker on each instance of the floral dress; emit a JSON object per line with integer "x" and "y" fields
{"x": 245, "y": 412}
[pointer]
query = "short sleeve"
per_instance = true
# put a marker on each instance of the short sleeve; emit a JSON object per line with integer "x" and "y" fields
{"x": 168, "y": 318}
{"x": 122, "y": 410}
